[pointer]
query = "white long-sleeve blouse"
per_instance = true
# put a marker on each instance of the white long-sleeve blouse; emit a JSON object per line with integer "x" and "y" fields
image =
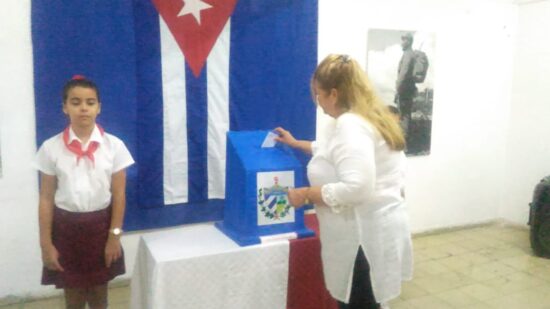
{"x": 361, "y": 180}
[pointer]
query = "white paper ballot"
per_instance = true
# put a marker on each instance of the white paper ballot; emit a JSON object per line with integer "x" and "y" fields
{"x": 269, "y": 140}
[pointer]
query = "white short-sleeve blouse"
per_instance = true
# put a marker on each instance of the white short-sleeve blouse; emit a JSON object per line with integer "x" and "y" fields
{"x": 83, "y": 186}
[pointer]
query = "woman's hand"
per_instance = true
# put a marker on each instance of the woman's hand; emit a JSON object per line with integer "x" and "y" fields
{"x": 50, "y": 258}
{"x": 285, "y": 137}
{"x": 298, "y": 197}
{"x": 113, "y": 250}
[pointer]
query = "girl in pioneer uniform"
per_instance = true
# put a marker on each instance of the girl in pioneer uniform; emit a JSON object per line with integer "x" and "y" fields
{"x": 82, "y": 201}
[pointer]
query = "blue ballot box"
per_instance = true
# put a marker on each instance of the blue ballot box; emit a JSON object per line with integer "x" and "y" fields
{"x": 256, "y": 185}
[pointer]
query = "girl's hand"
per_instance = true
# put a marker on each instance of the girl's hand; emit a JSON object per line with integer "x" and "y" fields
{"x": 50, "y": 258}
{"x": 298, "y": 197}
{"x": 113, "y": 250}
{"x": 285, "y": 137}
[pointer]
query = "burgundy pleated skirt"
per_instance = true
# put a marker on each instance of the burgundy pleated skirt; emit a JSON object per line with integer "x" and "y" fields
{"x": 80, "y": 239}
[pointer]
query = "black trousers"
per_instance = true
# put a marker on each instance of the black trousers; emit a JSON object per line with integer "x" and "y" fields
{"x": 405, "y": 109}
{"x": 361, "y": 296}
{"x": 405, "y": 106}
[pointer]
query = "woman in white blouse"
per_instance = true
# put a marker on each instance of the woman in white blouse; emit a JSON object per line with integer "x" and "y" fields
{"x": 356, "y": 176}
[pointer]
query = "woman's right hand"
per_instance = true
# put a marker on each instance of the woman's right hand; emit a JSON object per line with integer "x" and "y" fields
{"x": 50, "y": 258}
{"x": 297, "y": 197}
{"x": 285, "y": 137}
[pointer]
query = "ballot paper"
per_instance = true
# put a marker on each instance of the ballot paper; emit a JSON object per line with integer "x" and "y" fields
{"x": 269, "y": 140}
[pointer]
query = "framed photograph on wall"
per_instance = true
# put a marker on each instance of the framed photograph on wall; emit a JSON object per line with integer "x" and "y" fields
{"x": 400, "y": 64}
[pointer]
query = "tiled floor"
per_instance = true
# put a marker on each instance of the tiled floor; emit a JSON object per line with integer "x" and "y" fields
{"x": 119, "y": 298}
{"x": 482, "y": 267}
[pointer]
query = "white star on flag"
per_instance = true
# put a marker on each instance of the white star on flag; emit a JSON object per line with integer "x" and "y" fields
{"x": 194, "y": 7}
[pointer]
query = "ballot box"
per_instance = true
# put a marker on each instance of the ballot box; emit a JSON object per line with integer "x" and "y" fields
{"x": 256, "y": 190}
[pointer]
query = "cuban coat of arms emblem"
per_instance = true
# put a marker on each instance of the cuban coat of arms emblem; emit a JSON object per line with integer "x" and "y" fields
{"x": 273, "y": 205}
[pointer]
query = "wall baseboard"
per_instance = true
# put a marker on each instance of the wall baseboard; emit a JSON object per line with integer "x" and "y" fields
{"x": 496, "y": 222}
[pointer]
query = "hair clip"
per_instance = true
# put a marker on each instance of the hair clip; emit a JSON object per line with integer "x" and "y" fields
{"x": 78, "y": 77}
{"x": 345, "y": 58}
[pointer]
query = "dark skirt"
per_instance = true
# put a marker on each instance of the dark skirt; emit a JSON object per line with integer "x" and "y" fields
{"x": 80, "y": 239}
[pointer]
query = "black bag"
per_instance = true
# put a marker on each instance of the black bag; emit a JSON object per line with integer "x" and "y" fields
{"x": 539, "y": 218}
{"x": 421, "y": 64}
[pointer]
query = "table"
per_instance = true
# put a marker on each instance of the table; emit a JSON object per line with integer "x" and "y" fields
{"x": 199, "y": 267}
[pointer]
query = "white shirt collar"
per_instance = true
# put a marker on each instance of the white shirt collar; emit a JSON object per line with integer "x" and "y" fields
{"x": 96, "y": 136}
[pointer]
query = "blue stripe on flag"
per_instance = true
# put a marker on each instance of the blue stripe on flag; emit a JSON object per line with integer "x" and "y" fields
{"x": 277, "y": 70}
{"x": 149, "y": 154}
{"x": 197, "y": 123}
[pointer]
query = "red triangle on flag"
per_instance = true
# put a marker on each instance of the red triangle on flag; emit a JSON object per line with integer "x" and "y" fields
{"x": 196, "y": 25}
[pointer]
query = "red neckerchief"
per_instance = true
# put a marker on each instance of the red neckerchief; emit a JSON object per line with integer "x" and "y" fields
{"x": 76, "y": 147}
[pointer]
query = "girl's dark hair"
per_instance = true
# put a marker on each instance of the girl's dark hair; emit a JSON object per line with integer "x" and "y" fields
{"x": 79, "y": 81}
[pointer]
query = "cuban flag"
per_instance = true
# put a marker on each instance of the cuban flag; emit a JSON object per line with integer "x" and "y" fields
{"x": 174, "y": 77}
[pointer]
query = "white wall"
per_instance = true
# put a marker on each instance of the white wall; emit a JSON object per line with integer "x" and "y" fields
{"x": 528, "y": 135}
{"x": 461, "y": 182}
{"x": 19, "y": 252}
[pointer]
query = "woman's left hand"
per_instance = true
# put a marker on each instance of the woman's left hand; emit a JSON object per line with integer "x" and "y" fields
{"x": 298, "y": 196}
{"x": 113, "y": 250}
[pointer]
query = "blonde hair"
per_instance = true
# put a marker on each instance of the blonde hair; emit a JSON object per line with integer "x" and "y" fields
{"x": 356, "y": 94}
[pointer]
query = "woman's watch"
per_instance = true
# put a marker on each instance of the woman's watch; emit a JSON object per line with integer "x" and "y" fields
{"x": 116, "y": 231}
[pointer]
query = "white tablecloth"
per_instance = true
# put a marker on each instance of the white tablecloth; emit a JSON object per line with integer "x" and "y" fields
{"x": 198, "y": 267}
